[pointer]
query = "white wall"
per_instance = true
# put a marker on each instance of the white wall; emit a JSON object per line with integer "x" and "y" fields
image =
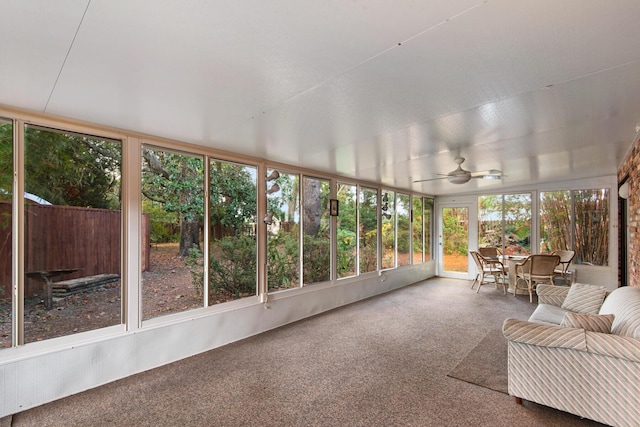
{"x": 38, "y": 373}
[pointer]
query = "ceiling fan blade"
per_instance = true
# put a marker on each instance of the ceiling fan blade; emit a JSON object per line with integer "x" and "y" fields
{"x": 490, "y": 172}
{"x": 431, "y": 179}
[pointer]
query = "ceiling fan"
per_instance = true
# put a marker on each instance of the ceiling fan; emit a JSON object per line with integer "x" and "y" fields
{"x": 462, "y": 176}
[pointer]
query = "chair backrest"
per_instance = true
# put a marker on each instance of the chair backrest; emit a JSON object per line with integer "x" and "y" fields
{"x": 489, "y": 252}
{"x": 543, "y": 265}
{"x": 477, "y": 259}
{"x": 565, "y": 256}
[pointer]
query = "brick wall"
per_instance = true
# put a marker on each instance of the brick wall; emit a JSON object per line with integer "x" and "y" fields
{"x": 630, "y": 170}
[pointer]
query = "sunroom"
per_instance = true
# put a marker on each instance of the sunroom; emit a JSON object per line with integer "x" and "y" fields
{"x": 196, "y": 174}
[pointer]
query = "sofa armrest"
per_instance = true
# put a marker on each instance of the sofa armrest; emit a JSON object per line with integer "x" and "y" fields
{"x": 553, "y": 295}
{"x": 544, "y": 335}
{"x": 611, "y": 345}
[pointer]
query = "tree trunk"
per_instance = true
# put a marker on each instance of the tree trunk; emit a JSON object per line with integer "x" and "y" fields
{"x": 312, "y": 211}
{"x": 189, "y": 235}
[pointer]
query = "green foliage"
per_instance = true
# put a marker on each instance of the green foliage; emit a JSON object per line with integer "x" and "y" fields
{"x": 368, "y": 251}
{"x": 233, "y": 267}
{"x": 346, "y": 256}
{"x": 316, "y": 259}
{"x": 233, "y": 195}
{"x": 164, "y": 228}
{"x": 176, "y": 181}
{"x": 403, "y": 233}
{"x": 232, "y": 272}
{"x": 282, "y": 260}
{"x": 388, "y": 238}
{"x": 455, "y": 224}
{"x": 6, "y": 160}
{"x": 72, "y": 170}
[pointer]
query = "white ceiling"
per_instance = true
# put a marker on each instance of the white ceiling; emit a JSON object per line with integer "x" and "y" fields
{"x": 384, "y": 91}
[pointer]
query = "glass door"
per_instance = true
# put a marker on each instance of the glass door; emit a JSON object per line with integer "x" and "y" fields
{"x": 454, "y": 231}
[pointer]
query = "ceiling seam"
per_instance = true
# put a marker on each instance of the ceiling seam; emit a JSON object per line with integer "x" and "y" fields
{"x": 66, "y": 56}
{"x": 371, "y": 58}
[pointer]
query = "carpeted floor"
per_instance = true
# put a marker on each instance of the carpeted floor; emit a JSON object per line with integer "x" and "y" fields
{"x": 486, "y": 364}
{"x": 379, "y": 362}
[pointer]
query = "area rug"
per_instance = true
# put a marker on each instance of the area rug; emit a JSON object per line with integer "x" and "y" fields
{"x": 486, "y": 364}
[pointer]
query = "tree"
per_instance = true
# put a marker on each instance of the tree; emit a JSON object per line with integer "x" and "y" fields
{"x": 6, "y": 160}
{"x": 176, "y": 181}
{"x": 232, "y": 198}
{"x": 72, "y": 170}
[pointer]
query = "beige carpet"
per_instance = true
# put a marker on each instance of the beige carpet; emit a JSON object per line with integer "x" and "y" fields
{"x": 486, "y": 364}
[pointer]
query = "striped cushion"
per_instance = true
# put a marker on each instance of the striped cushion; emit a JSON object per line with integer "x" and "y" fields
{"x": 589, "y": 322}
{"x": 625, "y": 304}
{"x": 539, "y": 334}
{"x": 586, "y": 299}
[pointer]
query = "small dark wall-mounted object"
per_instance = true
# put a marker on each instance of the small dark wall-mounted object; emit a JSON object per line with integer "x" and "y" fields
{"x": 333, "y": 207}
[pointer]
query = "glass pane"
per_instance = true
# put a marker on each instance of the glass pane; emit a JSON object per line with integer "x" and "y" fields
{"x": 347, "y": 231}
{"x": 490, "y": 221}
{"x": 6, "y": 247}
{"x": 428, "y": 228}
{"x": 368, "y": 231}
{"x": 455, "y": 238}
{"x": 388, "y": 230}
{"x": 316, "y": 225}
{"x": 517, "y": 224}
{"x": 416, "y": 233}
{"x": 173, "y": 205}
{"x": 403, "y": 213}
{"x": 591, "y": 227}
{"x": 555, "y": 221}
{"x": 232, "y": 234}
{"x": 72, "y": 233}
{"x": 283, "y": 230}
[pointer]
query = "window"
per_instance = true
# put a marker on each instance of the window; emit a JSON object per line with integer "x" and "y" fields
{"x": 173, "y": 203}
{"x": 232, "y": 233}
{"x": 490, "y": 221}
{"x": 316, "y": 225}
{"x": 577, "y": 220}
{"x": 403, "y": 218}
{"x": 417, "y": 236}
{"x": 555, "y": 221}
{"x": 428, "y": 228}
{"x": 283, "y": 219}
{"x": 504, "y": 221}
{"x": 347, "y": 232}
{"x": 387, "y": 210}
{"x": 368, "y": 229}
{"x": 591, "y": 226}
{"x": 517, "y": 224}
{"x": 72, "y": 233}
{"x": 6, "y": 249}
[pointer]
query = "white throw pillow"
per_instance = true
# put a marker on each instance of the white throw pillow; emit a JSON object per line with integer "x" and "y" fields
{"x": 585, "y": 299}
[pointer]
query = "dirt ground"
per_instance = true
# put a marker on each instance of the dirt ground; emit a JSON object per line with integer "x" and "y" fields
{"x": 456, "y": 262}
{"x": 166, "y": 288}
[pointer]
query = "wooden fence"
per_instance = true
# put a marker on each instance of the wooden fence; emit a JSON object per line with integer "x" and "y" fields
{"x": 66, "y": 237}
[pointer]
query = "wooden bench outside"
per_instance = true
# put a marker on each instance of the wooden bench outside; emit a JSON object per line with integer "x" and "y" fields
{"x": 83, "y": 284}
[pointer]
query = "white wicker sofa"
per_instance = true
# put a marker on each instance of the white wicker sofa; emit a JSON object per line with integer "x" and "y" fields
{"x": 594, "y": 375}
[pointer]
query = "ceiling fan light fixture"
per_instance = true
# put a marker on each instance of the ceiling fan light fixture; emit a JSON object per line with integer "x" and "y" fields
{"x": 459, "y": 177}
